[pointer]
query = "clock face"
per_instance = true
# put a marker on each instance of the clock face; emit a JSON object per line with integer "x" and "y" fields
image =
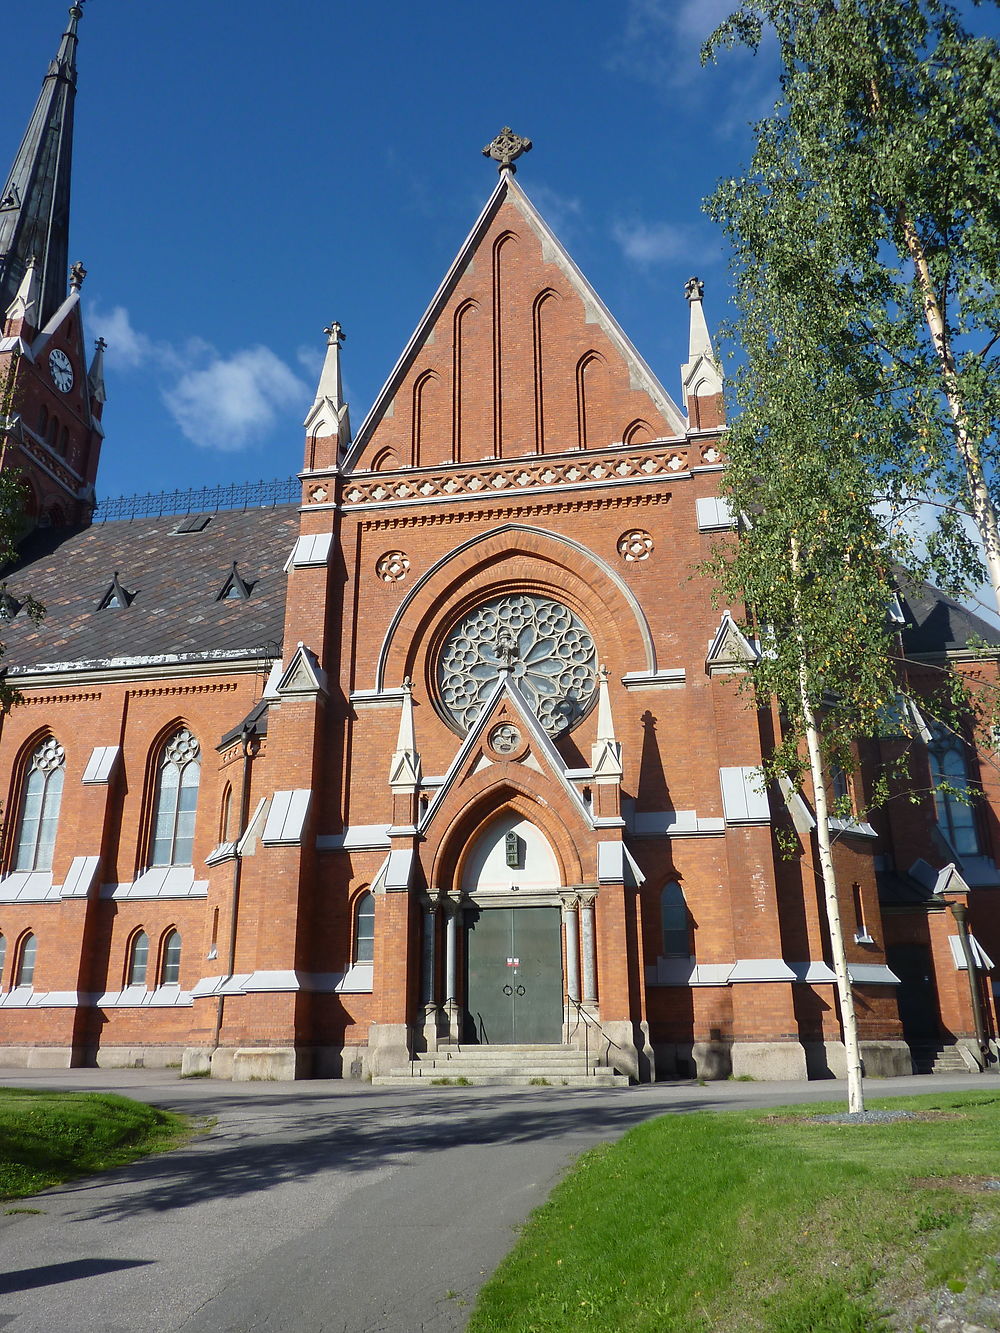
{"x": 61, "y": 369}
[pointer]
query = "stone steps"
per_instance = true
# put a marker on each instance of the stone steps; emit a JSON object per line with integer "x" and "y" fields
{"x": 934, "y": 1059}
{"x": 604, "y": 1078}
{"x": 496, "y": 1066}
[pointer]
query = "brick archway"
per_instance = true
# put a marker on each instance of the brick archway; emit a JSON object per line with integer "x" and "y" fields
{"x": 525, "y": 559}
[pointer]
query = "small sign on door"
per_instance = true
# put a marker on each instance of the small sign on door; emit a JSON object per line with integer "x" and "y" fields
{"x": 513, "y": 962}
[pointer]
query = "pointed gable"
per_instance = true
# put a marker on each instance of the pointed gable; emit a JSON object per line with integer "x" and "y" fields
{"x": 516, "y": 355}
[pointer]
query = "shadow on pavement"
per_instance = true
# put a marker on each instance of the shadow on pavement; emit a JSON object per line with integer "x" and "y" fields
{"x": 364, "y": 1135}
{"x": 49, "y": 1275}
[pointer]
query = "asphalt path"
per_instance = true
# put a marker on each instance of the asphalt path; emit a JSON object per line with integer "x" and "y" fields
{"x": 320, "y": 1207}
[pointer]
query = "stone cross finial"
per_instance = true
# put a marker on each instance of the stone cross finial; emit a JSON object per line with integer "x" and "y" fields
{"x": 335, "y": 334}
{"x": 506, "y": 148}
{"x": 76, "y": 276}
{"x": 101, "y": 345}
{"x": 694, "y": 289}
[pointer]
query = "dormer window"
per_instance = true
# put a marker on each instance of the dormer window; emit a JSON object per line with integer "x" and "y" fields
{"x": 9, "y": 605}
{"x": 193, "y": 523}
{"x": 116, "y": 596}
{"x": 236, "y": 588}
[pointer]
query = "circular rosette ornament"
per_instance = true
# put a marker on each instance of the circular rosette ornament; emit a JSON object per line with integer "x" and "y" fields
{"x": 393, "y": 566}
{"x": 544, "y": 648}
{"x": 635, "y": 545}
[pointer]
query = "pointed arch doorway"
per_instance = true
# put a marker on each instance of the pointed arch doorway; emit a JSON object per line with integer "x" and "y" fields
{"x": 514, "y": 991}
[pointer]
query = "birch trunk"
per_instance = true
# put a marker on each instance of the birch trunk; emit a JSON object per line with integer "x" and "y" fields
{"x": 983, "y": 511}
{"x": 848, "y": 1019}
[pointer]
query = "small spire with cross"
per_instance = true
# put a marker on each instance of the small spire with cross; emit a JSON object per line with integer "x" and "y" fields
{"x": 506, "y": 148}
{"x": 335, "y": 335}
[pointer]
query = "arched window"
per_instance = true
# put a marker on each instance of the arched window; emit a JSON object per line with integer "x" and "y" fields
{"x": 138, "y": 959}
{"x": 43, "y": 420}
{"x": 956, "y": 818}
{"x": 225, "y": 813}
{"x": 674, "y": 922}
{"x": 171, "y": 970}
{"x": 3, "y": 956}
{"x": 43, "y": 786}
{"x": 176, "y": 799}
{"x": 364, "y": 928}
{"x": 26, "y": 962}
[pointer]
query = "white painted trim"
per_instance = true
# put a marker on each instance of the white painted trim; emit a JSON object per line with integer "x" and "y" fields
{"x": 286, "y": 818}
{"x": 101, "y": 764}
{"x": 665, "y": 679}
{"x": 80, "y": 876}
{"x": 159, "y": 882}
{"x": 28, "y": 886}
{"x": 362, "y": 837}
{"x": 136, "y": 669}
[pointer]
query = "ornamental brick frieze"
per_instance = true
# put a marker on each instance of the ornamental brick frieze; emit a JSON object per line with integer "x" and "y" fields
{"x": 58, "y": 699}
{"x": 224, "y": 687}
{"x": 541, "y": 508}
{"x": 669, "y": 460}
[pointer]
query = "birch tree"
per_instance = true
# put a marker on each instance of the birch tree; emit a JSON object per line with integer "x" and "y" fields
{"x": 876, "y": 181}
{"x": 866, "y": 237}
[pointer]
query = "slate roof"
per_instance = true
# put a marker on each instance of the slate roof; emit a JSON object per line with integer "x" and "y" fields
{"x": 936, "y": 623}
{"x": 174, "y": 580}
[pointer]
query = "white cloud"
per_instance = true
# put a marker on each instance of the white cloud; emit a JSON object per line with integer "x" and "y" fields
{"x": 648, "y": 244}
{"x": 661, "y": 44}
{"x": 219, "y": 402}
{"x": 127, "y": 348}
{"x": 311, "y": 357}
{"x": 558, "y": 210}
{"x": 234, "y": 400}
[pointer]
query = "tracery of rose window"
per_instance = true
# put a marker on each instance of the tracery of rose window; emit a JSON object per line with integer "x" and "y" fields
{"x": 548, "y": 651}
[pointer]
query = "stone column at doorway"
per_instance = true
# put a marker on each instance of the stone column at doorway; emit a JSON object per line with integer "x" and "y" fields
{"x": 432, "y": 910}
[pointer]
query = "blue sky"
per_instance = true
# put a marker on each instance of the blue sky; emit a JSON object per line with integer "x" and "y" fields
{"x": 246, "y": 172}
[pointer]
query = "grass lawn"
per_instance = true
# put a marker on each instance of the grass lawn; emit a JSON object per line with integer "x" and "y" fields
{"x": 761, "y": 1220}
{"x": 49, "y": 1137}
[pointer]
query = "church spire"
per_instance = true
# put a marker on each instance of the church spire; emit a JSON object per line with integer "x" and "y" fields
{"x": 34, "y": 203}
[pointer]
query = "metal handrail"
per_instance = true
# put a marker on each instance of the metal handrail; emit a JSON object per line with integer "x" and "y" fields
{"x": 590, "y": 1021}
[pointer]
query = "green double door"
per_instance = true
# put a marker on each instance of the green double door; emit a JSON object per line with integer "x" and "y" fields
{"x": 514, "y": 989}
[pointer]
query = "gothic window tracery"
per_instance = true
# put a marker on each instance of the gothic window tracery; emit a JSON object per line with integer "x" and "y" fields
{"x": 40, "y": 807}
{"x": 547, "y": 650}
{"x": 176, "y": 801}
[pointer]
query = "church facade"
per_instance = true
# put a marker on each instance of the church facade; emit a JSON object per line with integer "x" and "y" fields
{"x": 450, "y": 757}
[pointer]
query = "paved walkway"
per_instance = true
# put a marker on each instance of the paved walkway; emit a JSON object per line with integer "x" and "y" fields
{"x": 319, "y": 1207}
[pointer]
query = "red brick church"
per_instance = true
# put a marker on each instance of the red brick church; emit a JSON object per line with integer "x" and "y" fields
{"x": 442, "y": 769}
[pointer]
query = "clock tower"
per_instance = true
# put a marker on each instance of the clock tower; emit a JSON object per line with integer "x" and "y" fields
{"x": 51, "y": 402}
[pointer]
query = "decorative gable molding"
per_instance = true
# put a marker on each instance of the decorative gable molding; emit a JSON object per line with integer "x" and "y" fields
{"x": 505, "y": 690}
{"x": 304, "y": 676}
{"x": 730, "y": 651}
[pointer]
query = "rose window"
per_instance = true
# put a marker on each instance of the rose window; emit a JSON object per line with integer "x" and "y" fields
{"x": 548, "y": 652}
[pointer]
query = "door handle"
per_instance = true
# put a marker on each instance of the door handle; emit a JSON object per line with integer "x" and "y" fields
{"x": 520, "y": 990}
{"x": 508, "y": 990}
